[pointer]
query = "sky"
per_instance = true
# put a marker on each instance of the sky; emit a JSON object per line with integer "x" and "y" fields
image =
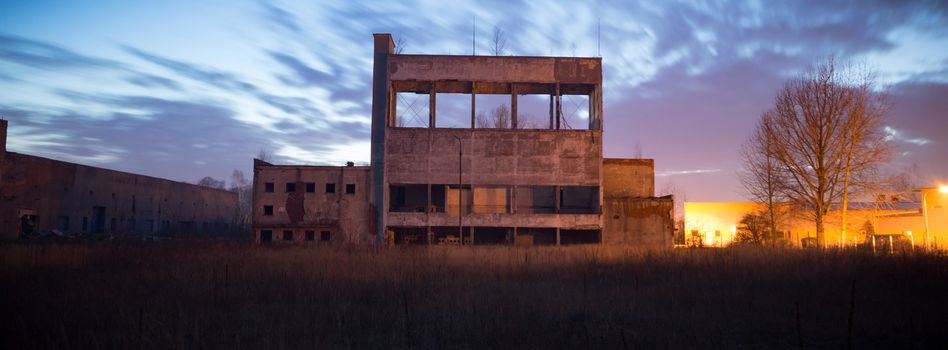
{"x": 187, "y": 89}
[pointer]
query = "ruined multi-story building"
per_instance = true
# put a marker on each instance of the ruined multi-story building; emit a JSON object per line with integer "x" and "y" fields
{"x": 477, "y": 183}
{"x": 47, "y": 197}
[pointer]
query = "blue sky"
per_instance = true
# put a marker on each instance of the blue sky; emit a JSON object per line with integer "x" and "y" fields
{"x": 185, "y": 89}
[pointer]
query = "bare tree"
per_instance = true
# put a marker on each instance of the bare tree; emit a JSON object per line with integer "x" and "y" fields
{"x": 499, "y": 41}
{"x": 763, "y": 177}
{"x": 264, "y": 155}
{"x": 211, "y": 182}
{"x": 400, "y": 43}
{"x": 241, "y": 185}
{"x": 499, "y": 118}
{"x": 823, "y": 131}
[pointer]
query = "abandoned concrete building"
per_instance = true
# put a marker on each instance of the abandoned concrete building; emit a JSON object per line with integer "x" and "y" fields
{"x": 44, "y": 197}
{"x": 544, "y": 183}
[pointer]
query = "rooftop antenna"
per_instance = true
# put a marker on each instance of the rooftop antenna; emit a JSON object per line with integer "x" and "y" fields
{"x": 599, "y": 37}
{"x": 473, "y": 35}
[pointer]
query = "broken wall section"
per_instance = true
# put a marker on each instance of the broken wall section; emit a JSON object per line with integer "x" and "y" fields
{"x": 631, "y": 212}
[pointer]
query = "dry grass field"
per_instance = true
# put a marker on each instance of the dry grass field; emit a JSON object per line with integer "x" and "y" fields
{"x": 163, "y": 295}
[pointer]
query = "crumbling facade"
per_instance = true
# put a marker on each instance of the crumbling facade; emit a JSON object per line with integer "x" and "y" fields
{"x": 319, "y": 204}
{"x": 505, "y": 183}
{"x": 46, "y": 197}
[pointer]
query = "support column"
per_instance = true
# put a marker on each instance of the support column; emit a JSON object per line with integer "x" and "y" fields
{"x": 513, "y": 239}
{"x": 559, "y": 106}
{"x": 551, "y": 112}
{"x": 472, "y": 235}
{"x": 473, "y": 104}
{"x": 382, "y": 110}
{"x": 513, "y": 106}
{"x": 557, "y": 236}
{"x": 431, "y": 109}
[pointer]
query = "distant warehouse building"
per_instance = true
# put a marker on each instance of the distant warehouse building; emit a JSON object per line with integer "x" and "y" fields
{"x": 504, "y": 182}
{"x": 43, "y": 197}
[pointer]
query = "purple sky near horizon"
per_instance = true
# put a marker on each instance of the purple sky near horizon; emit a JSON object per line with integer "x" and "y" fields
{"x": 186, "y": 89}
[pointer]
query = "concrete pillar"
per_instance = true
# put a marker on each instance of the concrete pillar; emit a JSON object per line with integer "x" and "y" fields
{"x": 3, "y": 135}
{"x": 557, "y": 236}
{"x": 431, "y": 106}
{"x": 559, "y": 107}
{"x": 513, "y": 106}
{"x": 551, "y": 112}
{"x": 473, "y": 104}
{"x": 381, "y": 106}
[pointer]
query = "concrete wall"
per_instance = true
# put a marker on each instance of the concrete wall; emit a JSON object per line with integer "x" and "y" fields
{"x": 493, "y": 156}
{"x": 564, "y": 70}
{"x": 57, "y": 192}
{"x": 347, "y": 216}
{"x": 631, "y": 213}
{"x": 645, "y": 222}
{"x": 628, "y": 177}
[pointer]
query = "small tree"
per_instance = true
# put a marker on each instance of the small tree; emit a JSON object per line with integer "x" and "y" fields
{"x": 753, "y": 228}
{"x": 211, "y": 182}
{"x": 499, "y": 118}
{"x": 241, "y": 185}
{"x": 499, "y": 41}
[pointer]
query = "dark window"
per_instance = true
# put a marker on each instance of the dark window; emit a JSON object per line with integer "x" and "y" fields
{"x": 268, "y": 210}
{"x": 325, "y": 235}
{"x": 287, "y": 235}
{"x": 85, "y": 223}
{"x": 350, "y": 188}
{"x": 268, "y": 187}
{"x": 62, "y": 223}
{"x": 266, "y": 236}
{"x": 310, "y": 235}
{"x": 310, "y": 187}
{"x": 290, "y": 187}
{"x": 330, "y": 188}
{"x": 133, "y": 203}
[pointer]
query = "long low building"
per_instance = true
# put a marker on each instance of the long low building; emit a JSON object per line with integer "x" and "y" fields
{"x": 41, "y": 197}
{"x": 912, "y": 223}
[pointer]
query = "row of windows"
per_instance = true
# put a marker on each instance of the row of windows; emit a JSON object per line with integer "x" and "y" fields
{"x": 289, "y": 235}
{"x": 310, "y": 187}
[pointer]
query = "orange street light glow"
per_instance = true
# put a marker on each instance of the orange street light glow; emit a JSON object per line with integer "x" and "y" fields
{"x": 943, "y": 188}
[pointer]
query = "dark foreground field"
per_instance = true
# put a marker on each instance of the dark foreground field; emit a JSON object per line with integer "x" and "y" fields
{"x": 172, "y": 295}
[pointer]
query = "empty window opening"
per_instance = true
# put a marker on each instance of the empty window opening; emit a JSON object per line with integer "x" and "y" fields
{"x": 453, "y": 110}
{"x": 579, "y": 200}
{"x": 438, "y": 198}
{"x": 412, "y": 110}
{"x": 533, "y": 112}
{"x": 350, "y": 188}
{"x": 325, "y": 236}
{"x": 131, "y": 225}
{"x": 408, "y": 198}
{"x": 268, "y": 210}
{"x": 62, "y": 223}
{"x": 493, "y": 235}
{"x": 575, "y": 112}
{"x": 98, "y": 219}
{"x": 536, "y": 199}
{"x": 528, "y": 236}
{"x": 310, "y": 187}
{"x": 266, "y": 236}
{"x": 450, "y": 235}
{"x": 310, "y": 235}
{"x": 85, "y": 224}
{"x": 290, "y": 187}
{"x": 458, "y": 198}
{"x": 491, "y": 200}
{"x": 579, "y": 236}
{"x": 493, "y": 112}
{"x": 268, "y": 187}
{"x": 410, "y": 235}
{"x": 287, "y": 235}
{"x": 330, "y": 188}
